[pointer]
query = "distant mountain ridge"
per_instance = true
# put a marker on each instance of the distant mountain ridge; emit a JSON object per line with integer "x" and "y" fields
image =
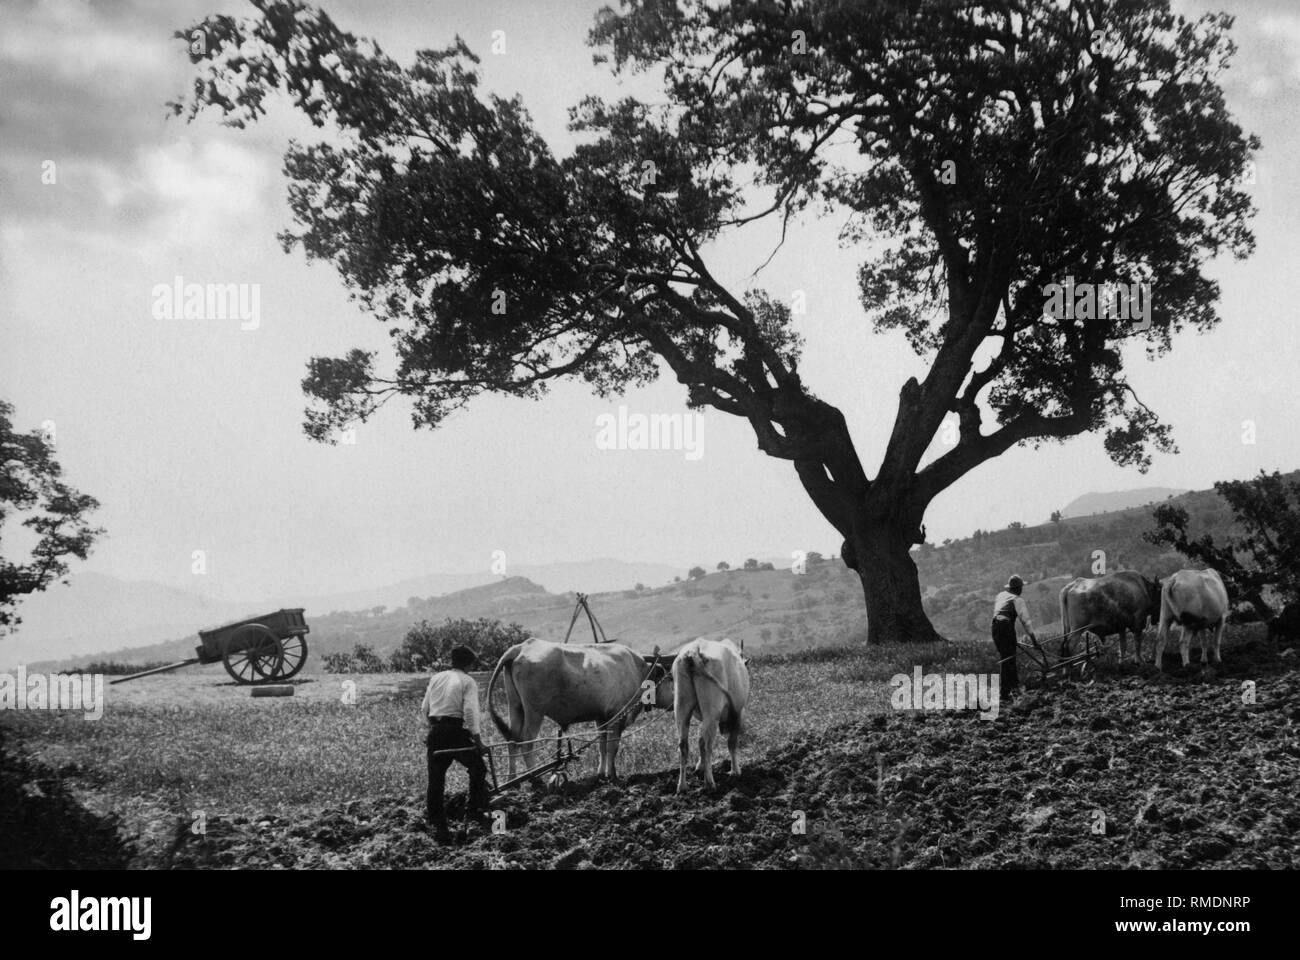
{"x": 1092, "y": 503}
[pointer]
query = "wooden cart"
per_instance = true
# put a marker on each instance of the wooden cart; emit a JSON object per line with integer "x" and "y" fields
{"x": 266, "y": 649}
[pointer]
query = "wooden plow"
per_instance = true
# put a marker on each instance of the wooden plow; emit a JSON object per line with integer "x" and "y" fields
{"x": 1046, "y": 657}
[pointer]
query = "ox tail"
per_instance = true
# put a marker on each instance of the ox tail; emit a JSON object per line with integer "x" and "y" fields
{"x": 688, "y": 660}
{"x": 695, "y": 673}
{"x": 505, "y": 663}
{"x": 694, "y": 666}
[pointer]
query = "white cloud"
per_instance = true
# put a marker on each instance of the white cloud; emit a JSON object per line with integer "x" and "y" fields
{"x": 205, "y": 174}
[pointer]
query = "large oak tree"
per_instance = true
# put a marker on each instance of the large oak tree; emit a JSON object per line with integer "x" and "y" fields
{"x": 976, "y": 152}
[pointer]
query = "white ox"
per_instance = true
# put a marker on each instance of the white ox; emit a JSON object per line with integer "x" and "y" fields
{"x": 711, "y": 684}
{"x": 571, "y": 683}
{"x": 1198, "y": 601}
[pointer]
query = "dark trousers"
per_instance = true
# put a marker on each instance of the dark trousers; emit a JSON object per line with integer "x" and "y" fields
{"x": 1004, "y": 638}
{"x": 451, "y": 735}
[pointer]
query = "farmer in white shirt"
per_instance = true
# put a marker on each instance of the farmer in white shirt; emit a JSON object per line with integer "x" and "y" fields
{"x": 1007, "y": 609}
{"x": 451, "y": 704}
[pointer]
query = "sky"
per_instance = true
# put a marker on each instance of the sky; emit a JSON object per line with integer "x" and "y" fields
{"x": 189, "y": 431}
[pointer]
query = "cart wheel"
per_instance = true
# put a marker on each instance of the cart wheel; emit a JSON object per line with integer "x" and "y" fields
{"x": 1087, "y": 672}
{"x": 294, "y": 647}
{"x": 254, "y": 655}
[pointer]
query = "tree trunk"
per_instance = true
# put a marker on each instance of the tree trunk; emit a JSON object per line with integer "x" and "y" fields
{"x": 880, "y": 554}
{"x": 893, "y": 594}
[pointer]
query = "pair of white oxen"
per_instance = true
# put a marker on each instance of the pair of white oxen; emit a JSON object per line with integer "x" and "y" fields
{"x": 1123, "y": 602}
{"x": 609, "y": 684}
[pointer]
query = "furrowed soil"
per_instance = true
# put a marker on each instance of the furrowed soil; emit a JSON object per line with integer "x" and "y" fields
{"x": 1138, "y": 770}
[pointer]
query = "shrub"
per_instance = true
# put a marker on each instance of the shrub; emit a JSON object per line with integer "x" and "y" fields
{"x": 429, "y": 645}
{"x": 367, "y": 661}
{"x": 340, "y": 662}
{"x": 362, "y": 659}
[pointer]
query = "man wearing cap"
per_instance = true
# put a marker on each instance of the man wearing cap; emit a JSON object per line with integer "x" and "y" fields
{"x": 1007, "y": 609}
{"x": 451, "y": 704}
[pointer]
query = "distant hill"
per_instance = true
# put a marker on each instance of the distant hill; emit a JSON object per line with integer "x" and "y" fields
{"x": 768, "y": 609}
{"x": 96, "y": 613}
{"x": 774, "y": 610}
{"x": 1091, "y": 503}
{"x": 586, "y": 575}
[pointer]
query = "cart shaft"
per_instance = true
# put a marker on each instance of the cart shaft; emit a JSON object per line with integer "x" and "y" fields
{"x": 146, "y": 673}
